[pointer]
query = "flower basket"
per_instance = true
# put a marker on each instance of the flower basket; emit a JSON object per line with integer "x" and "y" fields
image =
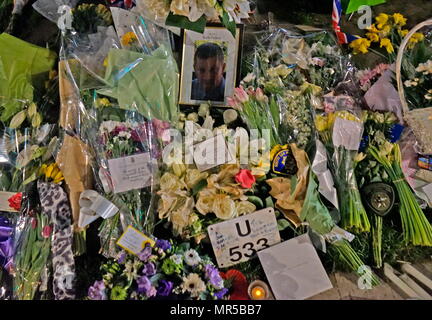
{"x": 419, "y": 120}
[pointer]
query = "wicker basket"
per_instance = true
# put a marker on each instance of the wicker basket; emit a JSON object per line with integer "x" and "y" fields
{"x": 419, "y": 120}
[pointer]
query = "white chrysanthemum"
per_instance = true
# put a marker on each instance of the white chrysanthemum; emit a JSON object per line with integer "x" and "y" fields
{"x": 192, "y": 257}
{"x": 193, "y": 284}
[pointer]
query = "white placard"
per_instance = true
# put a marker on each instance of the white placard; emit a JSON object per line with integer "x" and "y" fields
{"x": 4, "y": 203}
{"x": 133, "y": 240}
{"x": 130, "y": 173}
{"x": 294, "y": 269}
{"x": 347, "y": 133}
{"x": 239, "y": 239}
{"x": 211, "y": 153}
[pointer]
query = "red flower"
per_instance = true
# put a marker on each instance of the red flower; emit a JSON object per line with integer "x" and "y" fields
{"x": 34, "y": 223}
{"x": 239, "y": 289}
{"x": 245, "y": 178}
{"x": 46, "y": 231}
{"x": 15, "y": 201}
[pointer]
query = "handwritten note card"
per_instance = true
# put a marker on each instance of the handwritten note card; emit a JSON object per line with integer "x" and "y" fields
{"x": 130, "y": 173}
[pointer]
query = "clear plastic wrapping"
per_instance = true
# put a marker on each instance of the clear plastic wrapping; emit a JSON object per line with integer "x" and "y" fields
{"x": 123, "y": 89}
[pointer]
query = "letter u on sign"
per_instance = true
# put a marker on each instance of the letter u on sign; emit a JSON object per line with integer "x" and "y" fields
{"x": 248, "y": 229}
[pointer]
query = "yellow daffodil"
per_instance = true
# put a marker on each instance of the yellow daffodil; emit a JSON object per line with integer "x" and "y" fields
{"x": 415, "y": 38}
{"x": 373, "y": 28}
{"x": 105, "y": 62}
{"x": 128, "y": 38}
{"x": 321, "y": 123}
{"x": 360, "y": 45}
{"x": 403, "y": 32}
{"x": 381, "y": 20}
{"x": 385, "y": 30}
{"x": 372, "y": 36}
{"x": 385, "y": 42}
{"x": 399, "y": 19}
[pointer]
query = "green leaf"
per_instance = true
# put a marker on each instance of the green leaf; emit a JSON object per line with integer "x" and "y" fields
{"x": 293, "y": 183}
{"x": 36, "y": 120}
{"x": 32, "y": 109}
{"x": 256, "y": 201}
{"x": 230, "y": 25}
{"x": 32, "y": 177}
{"x": 39, "y": 152}
{"x": 18, "y": 119}
{"x": 269, "y": 202}
{"x": 199, "y": 186}
{"x": 184, "y": 23}
{"x": 282, "y": 224}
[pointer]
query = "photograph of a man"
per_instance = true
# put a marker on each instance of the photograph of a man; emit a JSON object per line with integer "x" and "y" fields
{"x": 209, "y": 66}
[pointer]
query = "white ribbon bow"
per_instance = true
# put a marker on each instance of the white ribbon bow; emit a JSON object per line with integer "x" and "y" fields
{"x": 93, "y": 206}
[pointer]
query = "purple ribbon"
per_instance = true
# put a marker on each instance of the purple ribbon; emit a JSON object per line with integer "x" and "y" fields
{"x": 6, "y": 252}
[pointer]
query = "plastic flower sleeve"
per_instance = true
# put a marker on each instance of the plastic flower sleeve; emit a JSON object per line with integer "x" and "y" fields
{"x": 125, "y": 168}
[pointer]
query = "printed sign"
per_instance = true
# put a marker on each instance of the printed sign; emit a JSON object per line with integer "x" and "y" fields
{"x": 240, "y": 239}
{"x": 130, "y": 173}
{"x": 133, "y": 241}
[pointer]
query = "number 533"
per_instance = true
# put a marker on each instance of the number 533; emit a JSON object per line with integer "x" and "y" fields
{"x": 248, "y": 249}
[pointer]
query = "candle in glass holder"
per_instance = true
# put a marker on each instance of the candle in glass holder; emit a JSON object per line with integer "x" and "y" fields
{"x": 258, "y": 290}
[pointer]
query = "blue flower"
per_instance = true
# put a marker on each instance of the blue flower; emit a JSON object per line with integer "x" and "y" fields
{"x": 163, "y": 244}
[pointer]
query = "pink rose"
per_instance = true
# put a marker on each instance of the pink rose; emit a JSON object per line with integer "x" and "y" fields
{"x": 245, "y": 178}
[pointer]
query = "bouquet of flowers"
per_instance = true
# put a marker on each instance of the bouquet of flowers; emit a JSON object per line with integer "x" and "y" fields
{"x": 192, "y": 198}
{"x": 161, "y": 271}
{"x": 416, "y": 228}
{"x": 341, "y": 131}
{"x": 194, "y": 14}
{"x": 387, "y": 32}
{"x": 126, "y": 153}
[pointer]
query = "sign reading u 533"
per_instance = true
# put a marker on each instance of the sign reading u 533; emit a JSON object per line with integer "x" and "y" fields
{"x": 240, "y": 239}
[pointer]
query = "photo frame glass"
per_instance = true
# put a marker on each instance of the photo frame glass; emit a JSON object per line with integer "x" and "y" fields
{"x": 210, "y": 65}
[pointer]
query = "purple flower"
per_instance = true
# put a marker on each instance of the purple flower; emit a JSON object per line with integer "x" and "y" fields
{"x": 221, "y": 293}
{"x": 121, "y": 259}
{"x": 145, "y": 254}
{"x": 145, "y": 287}
{"x": 212, "y": 274}
{"x": 135, "y": 136}
{"x": 149, "y": 269}
{"x": 163, "y": 244}
{"x": 97, "y": 291}
{"x": 165, "y": 287}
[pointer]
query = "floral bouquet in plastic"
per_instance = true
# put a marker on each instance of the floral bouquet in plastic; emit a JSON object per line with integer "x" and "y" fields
{"x": 159, "y": 271}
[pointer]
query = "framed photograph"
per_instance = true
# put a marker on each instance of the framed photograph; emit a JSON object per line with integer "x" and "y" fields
{"x": 210, "y": 65}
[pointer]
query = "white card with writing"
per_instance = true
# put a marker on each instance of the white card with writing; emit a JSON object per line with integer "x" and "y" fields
{"x": 211, "y": 153}
{"x": 347, "y": 133}
{"x": 130, "y": 173}
{"x": 133, "y": 241}
{"x": 4, "y": 203}
{"x": 294, "y": 269}
{"x": 239, "y": 239}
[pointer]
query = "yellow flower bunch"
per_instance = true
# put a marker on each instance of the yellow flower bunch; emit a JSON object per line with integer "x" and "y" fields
{"x": 325, "y": 122}
{"x": 381, "y": 31}
{"x": 347, "y": 116}
{"x": 51, "y": 172}
{"x": 386, "y": 43}
{"x": 360, "y": 45}
{"x": 129, "y": 38}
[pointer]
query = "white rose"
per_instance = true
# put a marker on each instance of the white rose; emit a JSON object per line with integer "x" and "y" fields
{"x": 224, "y": 207}
{"x": 245, "y": 207}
